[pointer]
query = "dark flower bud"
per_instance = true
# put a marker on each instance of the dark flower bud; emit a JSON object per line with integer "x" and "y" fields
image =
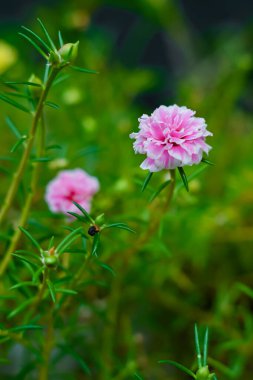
{"x": 93, "y": 230}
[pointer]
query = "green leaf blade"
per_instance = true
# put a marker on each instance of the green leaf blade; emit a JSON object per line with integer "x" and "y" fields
{"x": 34, "y": 45}
{"x": 65, "y": 242}
{"x": 47, "y": 34}
{"x": 60, "y": 39}
{"x": 183, "y": 177}
{"x": 197, "y": 346}
{"x": 26, "y": 327}
{"x": 20, "y": 308}
{"x": 121, "y": 226}
{"x": 37, "y": 37}
{"x": 84, "y": 212}
{"x": 205, "y": 348}
{"x": 12, "y": 127}
{"x": 51, "y": 288}
{"x": 95, "y": 245}
{"x": 178, "y": 366}
{"x": 146, "y": 181}
{"x": 29, "y": 236}
{"x": 160, "y": 189}
{"x": 82, "y": 70}
{"x": 14, "y": 103}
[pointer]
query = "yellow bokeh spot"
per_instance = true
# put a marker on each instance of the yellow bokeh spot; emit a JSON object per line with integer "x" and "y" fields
{"x": 72, "y": 96}
{"x": 8, "y": 56}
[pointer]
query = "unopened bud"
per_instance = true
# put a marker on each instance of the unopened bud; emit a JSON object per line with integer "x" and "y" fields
{"x": 51, "y": 261}
{"x": 203, "y": 373}
{"x": 68, "y": 52}
{"x": 93, "y": 230}
{"x": 50, "y": 258}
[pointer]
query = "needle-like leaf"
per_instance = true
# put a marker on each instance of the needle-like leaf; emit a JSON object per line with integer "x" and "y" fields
{"x": 38, "y": 38}
{"x": 34, "y": 45}
{"x": 184, "y": 178}
{"x": 146, "y": 181}
{"x": 95, "y": 245}
{"x": 82, "y": 70}
{"x": 107, "y": 267}
{"x": 51, "y": 290}
{"x": 21, "y": 307}
{"x": 197, "y": 345}
{"x": 35, "y": 243}
{"x": 207, "y": 161}
{"x": 12, "y": 127}
{"x": 79, "y": 217}
{"x": 52, "y": 105}
{"x": 47, "y": 35}
{"x": 84, "y": 212}
{"x": 160, "y": 189}
{"x": 25, "y": 83}
{"x": 14, "y": 103}
{"x": 205, "y": 349}
{"x": 179, "y": 366}
{"x": 60, "y": 39}
{"x": 122, "y": 226}
{"x": 64, "y": 243}
{"x": 26, "y": 327}
{"x": 18, "y": 143}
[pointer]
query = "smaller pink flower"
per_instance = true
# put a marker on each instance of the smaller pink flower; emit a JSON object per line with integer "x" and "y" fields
{"x": 171, "y": 137}
{"x": 71, "y": 186}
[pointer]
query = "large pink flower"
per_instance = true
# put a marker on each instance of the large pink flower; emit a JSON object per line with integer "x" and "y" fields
{"x": 68, "y": 186}
{"x": 171, "y": 137}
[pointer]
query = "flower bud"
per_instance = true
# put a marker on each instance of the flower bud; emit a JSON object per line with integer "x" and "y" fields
{"x": 51, "y": 261}
{"x": 203, "y": 373}
{"x": 93, "y": 230}
{"x": 68, "y": 52}
{"x": 50, "y": 258}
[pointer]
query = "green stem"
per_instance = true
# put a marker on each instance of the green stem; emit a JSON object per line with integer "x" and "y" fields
{"x": 47, "y": 348}
{"x": 23, "y": 163}
{"x": 28, "y": 202}
{"x": 38, "y": 298}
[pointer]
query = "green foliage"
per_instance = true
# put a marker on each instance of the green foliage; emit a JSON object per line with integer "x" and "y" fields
{"x": 109, "y": 306}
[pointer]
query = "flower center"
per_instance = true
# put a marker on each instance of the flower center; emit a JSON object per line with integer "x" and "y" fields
{"x": 71, "y": 196}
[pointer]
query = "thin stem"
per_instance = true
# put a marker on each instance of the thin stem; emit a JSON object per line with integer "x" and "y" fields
{"x": 47, "y": 348}
{"x": 23, "y": 163}
{"x": 28, "y": 202}
{"x": 108, "y": 339}
{"x": 82, "y": 269}
{"x": 39, "y": 297}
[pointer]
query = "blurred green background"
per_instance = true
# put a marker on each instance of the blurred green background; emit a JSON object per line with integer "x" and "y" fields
{"x": 149, "y": 53}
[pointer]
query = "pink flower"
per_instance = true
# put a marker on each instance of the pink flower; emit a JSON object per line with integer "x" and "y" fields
{"x": 68, "y": 186}
{"x": 171, "y": 137}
